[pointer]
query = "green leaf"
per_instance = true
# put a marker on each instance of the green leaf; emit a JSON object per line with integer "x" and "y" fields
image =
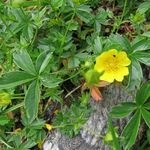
{"x": 146, "y": 34}
{"x": 131, "y": 130}
{"x": 40, "y": 60}
{"x": 123, "y": 109}
{"x": 147, "y": 106}
{"x": 32, "y": 99}
{"x": 17, "y": 3}
{"x": 50, "y": 81}
{"x": 43, "y": 60}
{"x": 15, "y": 78}
{"x": 122, "y": 41}
{"x": 145, "y": 6}
{"x": 143, "y": 93}
{"x": 141, "y": 45}
{"x": 72, "y": 25}
{"x": 116, "y": 144}
{"x": 148, "y": 135}
{"x": 56, "y": 3}
{"x": 84, "y": 13}
{"x": 13, "y": 108}
{"x": 92, "y": 77}
{"x": 72, "y": 120}
{"x": 23, "y": 60}
{"x": 146, "y": 116}
{"x": 73, "y": 62}
{"x": 4, "y": 120}
{"x": 101, "y": 16}
{"x": 36, "y": 124}
{"x": 97, "y": 45}
{"x": 143, "y": 57}
{"x": 135, "y": 75}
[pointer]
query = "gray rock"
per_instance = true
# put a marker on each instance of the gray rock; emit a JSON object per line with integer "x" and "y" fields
{"x": 90, "y": 135}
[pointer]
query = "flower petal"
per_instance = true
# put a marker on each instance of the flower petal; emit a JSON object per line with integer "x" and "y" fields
{"x": 119, "y": 75}
{"x": 107, "y": 77}
{"x": 99, "y": 67}
{"x": 123, "y": 59}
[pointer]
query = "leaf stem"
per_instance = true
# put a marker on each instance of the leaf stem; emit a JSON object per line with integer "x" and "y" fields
{"x": 124, "y": 9}
{"x": 64, "y": 37}
{"x": 18, "y": 97}
{"x": 14, "y": 107}
{"x": 6, "y": 143}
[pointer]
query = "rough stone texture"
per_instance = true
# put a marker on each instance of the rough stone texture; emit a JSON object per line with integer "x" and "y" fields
{"x": 89, "y": 138}
{"x": 56, "y": 141}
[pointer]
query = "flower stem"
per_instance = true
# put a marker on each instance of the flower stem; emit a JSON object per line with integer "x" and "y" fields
{"x": 123, "y": 13}
{"x": 14, "y": 107}
{"x": 124, "y": 9}
{"x": 18, "y": 97}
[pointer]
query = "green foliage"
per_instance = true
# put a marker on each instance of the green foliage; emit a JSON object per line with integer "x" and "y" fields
{"x": 70, "y": 120}
{"x": 139, "y": 109}
{"x": 115, "y": 141}
{"x": 133, "y": 125}
{"x": 4, "y": 120}
{"x": 14, "y": 78}
{"x": 123, "y": 109}
{"x": 32, "y": 99}
{"x": 26, "y": 138}
{"x": 23, "y": 61}
{"x": 46, "y": 49}
{"x": 92, "y": 77}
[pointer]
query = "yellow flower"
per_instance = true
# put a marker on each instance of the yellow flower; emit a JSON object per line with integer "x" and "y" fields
{"x": 113, "y": 64}
{"x": 48, "y": 126}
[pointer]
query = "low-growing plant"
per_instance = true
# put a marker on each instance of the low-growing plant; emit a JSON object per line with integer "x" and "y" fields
{"x": 48, "y": 56}
{"x": 139, "y": 109}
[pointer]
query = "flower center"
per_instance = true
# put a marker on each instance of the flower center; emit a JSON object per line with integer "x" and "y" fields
{"x": 112, "y": 64}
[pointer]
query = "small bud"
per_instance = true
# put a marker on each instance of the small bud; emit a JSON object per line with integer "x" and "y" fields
{"x": 92, "y": 77}
{"x": 5, "y": 98}
{"x": 87, "y": 64}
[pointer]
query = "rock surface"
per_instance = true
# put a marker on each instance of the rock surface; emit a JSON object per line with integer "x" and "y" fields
{"x": 89, "y": 138}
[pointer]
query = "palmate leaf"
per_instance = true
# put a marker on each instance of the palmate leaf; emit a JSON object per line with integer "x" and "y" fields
{"x": 42, "y": 61}
{"x": 55, "y": 4}
{"x": 84, "y": 13}
{"x": 32, "y": 99}
{"x": 135, "y": 75}
{"x": 146, "y": 116}
{"x": 50, "y": 81}
{"x": 141, "y": 45}
{"x": 143, "y": 93}
{"x": 123, "y": 109}
{"x": 4, "y": 120}
{"x": 148, "y": 136}
{"x": 143, "y": 57}
{"x": 15, "y": 78}
{"x": 122, "y": 41}
{"x": 23, "y": 60}
{"x": 147, "y": 106}
{"x": 143, "y": 7}
{"x": 97, "y": 45}
{"x": 131, "y": 130}
{"x": 115, "y": 141}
